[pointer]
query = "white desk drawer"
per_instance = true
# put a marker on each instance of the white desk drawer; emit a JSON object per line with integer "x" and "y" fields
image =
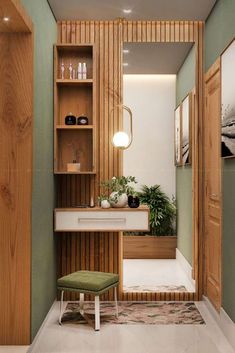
{"x": 102, "y": 220}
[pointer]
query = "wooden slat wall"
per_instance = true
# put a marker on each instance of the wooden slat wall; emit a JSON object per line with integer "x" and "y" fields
{"x": 103, "y": 251}
{"x": 94, "y": 251}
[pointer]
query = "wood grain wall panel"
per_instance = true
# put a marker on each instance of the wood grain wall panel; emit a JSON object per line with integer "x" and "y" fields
{"x": 158, "y": 31}
{"x": 103, "y": 251}
{"x": 16, "y": 125}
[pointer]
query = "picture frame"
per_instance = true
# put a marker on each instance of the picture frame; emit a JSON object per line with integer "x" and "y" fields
{"x": 228, "y": 102}
{"x": 177, "y": 136}
{"x": 186, "y": 131}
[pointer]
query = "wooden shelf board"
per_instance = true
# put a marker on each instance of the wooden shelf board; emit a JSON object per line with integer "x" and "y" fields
{"x": 88, "y": 81}
{"x": 74, "y": 173}
{"x": 74, "y": 46}
{"x": 74, "y": 127}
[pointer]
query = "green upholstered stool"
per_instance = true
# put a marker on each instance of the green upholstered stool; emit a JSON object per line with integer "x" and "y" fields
{"x": 88, "y": 282}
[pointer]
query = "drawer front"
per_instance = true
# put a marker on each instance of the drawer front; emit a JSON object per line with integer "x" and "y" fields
{"x": 101, "y": 221}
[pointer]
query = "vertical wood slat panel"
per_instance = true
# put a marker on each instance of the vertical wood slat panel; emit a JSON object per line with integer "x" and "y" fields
{"x": 102, "y": 251}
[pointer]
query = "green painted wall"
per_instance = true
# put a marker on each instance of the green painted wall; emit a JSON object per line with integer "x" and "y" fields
{"x": 220, "y": 30}
{"x": 43, "y": 244}
{"x": 184, "y": 211}
{"x": 185, "y": 80}
{"x": 184, "y": 84}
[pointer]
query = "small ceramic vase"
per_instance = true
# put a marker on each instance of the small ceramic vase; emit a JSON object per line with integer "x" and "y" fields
{"x": 105, "y": 204}
{"x": 121, "y": 200}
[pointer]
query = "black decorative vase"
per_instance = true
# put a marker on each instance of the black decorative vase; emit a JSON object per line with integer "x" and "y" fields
{"x": 70, "y": 119}
{"x": 133, "y": 201}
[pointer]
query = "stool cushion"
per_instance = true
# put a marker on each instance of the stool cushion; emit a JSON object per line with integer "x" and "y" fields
{"x": 90, "y": 281}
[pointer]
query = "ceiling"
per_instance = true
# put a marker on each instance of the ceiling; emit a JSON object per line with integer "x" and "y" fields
{"x": 141, "y": 10}
{"x": 154, "y": 58}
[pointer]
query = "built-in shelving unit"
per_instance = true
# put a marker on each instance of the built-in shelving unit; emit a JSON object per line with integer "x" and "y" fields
{"x": 76, "y": 97}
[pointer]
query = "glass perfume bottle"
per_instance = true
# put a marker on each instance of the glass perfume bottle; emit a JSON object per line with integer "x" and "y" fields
{"x": 79, "y": 71}
{"x": 62, "y": 69}
{"x": 84, "y": 71}
{"x": 70, "y": 71}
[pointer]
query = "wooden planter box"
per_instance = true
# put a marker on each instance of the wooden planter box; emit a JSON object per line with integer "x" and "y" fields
{"x": 149, "y": 247}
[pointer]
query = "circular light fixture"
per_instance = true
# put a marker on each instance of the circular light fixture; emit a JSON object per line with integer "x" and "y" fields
{"x": 121, "y": 140}
{"x": 127, "y": 11}
{"x": 6, "y": 19}
{"x": 125, "y": 64}
{"x": 126, "y": 51}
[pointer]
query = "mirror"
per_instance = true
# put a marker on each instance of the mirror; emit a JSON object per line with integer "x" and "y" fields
{"x": 158, "y": 87}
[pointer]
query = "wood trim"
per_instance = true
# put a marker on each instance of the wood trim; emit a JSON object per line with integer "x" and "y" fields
{"x": 109, "y": 37}
{"x": 212, "y": 205}
{"x": 198, "y": 164}
{"x": 157, "y": 296}
{"x": 212, "y": 70}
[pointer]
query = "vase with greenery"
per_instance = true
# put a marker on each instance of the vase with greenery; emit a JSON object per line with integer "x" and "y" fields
{"x": 118, "y": 189}
{"x": 162, "y": 210}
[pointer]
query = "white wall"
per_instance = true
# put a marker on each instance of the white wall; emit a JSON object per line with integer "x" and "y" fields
{"x": 151, "y": 156}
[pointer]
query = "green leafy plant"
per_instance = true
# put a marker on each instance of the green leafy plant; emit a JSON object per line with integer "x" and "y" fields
{"x": 119, "y": 185}
{"x": 103, "y": 197}
{"x": 162, "y": 210}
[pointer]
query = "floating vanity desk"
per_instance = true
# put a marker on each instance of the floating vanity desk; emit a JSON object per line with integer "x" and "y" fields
{"x": 98, "y": 219}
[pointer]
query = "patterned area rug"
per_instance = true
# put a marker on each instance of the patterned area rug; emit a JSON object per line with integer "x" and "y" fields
{"x": 153, "y": 288}
{"x": 151, "y": 313}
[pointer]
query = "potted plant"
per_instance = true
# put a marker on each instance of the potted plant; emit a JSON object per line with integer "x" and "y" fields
{"x": 161, "y": 241}
{"x": 119, "y": 188}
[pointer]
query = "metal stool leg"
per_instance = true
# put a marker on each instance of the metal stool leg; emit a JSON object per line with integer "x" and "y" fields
{"x": 81, "y": 303}
{"x": 61, "y": 307}
{"x": 116, "y": 302}
{"x": 97, "y": 313}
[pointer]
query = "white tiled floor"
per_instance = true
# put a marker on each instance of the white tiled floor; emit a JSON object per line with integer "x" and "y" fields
{"x": 154, "y": 272}
{"x": 132, "y": 338}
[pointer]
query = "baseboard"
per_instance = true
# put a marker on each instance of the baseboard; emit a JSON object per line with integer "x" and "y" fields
{"x": 187, "y": 268}
{"x": 224, "y": 322}
{"x": 34, "y": 343}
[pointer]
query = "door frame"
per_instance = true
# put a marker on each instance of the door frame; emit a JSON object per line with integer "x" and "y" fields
{"x": 132, "y": 32}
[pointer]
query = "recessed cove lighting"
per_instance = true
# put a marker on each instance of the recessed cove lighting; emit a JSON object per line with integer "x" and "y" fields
{"x": 127, "y": 11}
{"x": 6, "y": 19}
{"x": 126, "y": 51}
{"x": 125, "y": 64}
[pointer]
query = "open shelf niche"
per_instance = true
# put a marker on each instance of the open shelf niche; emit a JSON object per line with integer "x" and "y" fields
{"x": 77, "y": 97}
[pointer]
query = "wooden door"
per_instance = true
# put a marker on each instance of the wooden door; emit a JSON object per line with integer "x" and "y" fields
{"x": 213, "y": 185}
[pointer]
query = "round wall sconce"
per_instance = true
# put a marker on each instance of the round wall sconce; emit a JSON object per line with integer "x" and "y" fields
{"x": 121, "y": 139}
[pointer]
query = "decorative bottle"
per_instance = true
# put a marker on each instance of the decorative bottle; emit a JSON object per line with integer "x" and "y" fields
{"x": 70, "y": 71}
{"x": 62, "y": 69}
{"x": 79, "y": 71}
{"x": 84, "y": 71}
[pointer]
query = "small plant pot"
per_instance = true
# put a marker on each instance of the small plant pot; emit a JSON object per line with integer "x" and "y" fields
{"x": 105, "y": 204}
{"x": 133, "y": 201}
{"x": 118, "y": 201}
